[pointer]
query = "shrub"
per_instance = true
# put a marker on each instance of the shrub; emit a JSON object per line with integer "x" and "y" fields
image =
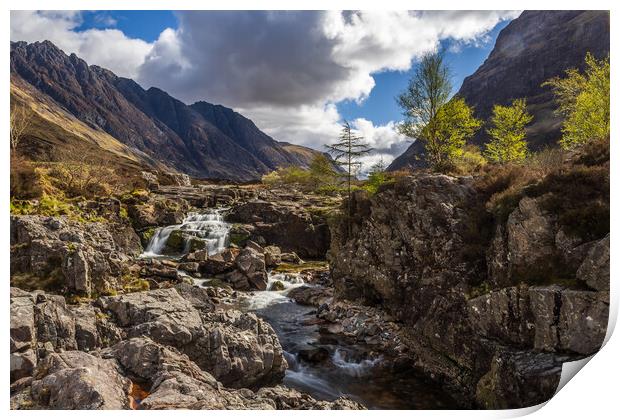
{"x": 470, "y": 162}
{"x": 584, "y": 101}
{"x": 25, "y": 180}
{"x": 507, "y": 133}
{"x": 81, "y": 179}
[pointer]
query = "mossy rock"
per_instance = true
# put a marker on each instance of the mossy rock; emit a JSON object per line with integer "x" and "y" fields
{"x": 196, "y": 244}
{"x": 175, "y": 242}
{"x": 146, "y": 236}
{"x": 296, "y": 268}
{"x": 216, "y": 283}
{"x": 238, "y": 239}
{"x": 277, "y": 286}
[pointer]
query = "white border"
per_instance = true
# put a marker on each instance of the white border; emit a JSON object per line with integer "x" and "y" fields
{"x": 592, "y": 395}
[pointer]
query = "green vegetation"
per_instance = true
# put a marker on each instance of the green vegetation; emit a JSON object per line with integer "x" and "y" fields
{"x": 443, "y": 125}
{"x": 470, "y": 161}
{"x": 428, "y": 90}
{"x": 446, "y": 134}
{"x": 321, "y": 177}
{"x": 377, "y": 177}
{"x": 507, "y": 133}
{"x": 346, "y": 152}
{"x": 584, "y": 101}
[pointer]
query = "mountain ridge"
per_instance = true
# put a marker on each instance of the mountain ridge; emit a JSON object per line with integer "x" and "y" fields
{"x": 534, "y": 47}
{"x": 203, "y": 140}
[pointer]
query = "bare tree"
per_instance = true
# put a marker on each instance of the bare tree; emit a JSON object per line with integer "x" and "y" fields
{"x": 21, "y": 119}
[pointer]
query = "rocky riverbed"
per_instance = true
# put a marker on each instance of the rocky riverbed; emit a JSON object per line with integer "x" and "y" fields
{"x": 210, "y": 297}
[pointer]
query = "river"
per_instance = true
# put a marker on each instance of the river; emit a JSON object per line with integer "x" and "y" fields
{"x": 339, "y": 366}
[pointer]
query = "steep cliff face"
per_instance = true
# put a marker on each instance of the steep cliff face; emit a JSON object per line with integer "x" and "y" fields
{"x": 492, "y": 305}
{"x": 533, "y": 48}
{"x": 202, "y": 140}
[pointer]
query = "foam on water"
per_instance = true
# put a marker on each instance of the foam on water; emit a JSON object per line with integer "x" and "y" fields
{"x": 209, "y": 227}
{"x": 263, "y": 299}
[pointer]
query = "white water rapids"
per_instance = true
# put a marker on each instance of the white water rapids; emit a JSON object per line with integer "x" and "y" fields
{"x": 209, "y": 227}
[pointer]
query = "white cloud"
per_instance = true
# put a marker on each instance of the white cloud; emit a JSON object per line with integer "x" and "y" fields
{"x": 284, "y": 70}
{"x": 109, "y": 48}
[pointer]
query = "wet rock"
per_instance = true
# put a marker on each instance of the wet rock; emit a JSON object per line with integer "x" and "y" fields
{"x": 594, "y": 270}
{"x": 291, "y": 258}
{"x": 77, "y": 380}
{"x": 290, "y": 399}
{"x": 272, "y": 256}
{"x": 311, "y": 295}
{"x": 314, "y": 355}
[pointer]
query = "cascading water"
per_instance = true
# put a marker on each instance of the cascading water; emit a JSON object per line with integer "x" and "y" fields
{"x": 208, "y": 227}
{"x": 347, "y": 370}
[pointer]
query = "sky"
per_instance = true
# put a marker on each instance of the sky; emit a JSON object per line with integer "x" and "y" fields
{"x": 297, "y": 75}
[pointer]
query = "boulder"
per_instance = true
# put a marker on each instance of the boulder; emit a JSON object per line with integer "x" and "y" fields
{"x": 22, "y": 364}
{"x": 250, "y": 269}
{"x": 219, "y": 263}
{"x": 311, "y": 295}
{"x": 77, "y": 380}
{"x": 238, "y": 349}
{"x": 594, "y": 270}
{"x": 288, "y": 225}
{"x": 78, "y": 257}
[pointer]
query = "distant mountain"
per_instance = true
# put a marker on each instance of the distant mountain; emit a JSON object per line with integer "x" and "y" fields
{"x": 531, "y": 49}
{"x": 202, "y": 140}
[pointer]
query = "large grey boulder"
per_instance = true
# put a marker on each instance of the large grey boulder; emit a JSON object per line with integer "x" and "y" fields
{"x": 238, "y": 349}
{"x": 76, "y": 380}
{"x": 77, "y": 257}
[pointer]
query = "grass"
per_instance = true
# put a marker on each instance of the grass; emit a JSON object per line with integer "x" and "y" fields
{"x": 295, "y": 268}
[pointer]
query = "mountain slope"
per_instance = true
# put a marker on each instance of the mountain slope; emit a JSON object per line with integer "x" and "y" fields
{"x": 533, "y": 48}
{"x": 202, "y": 140}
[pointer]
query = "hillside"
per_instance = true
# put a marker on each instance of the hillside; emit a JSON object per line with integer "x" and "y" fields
{"x": 202, "y": 140}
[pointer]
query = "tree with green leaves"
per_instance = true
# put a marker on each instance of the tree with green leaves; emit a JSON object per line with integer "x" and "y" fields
{"x": 322, "y": 172}
{"x": 446, "y": 134}
{"x": 428, "y": 90}
{"x": 507, "y": 132}
{"x": 347, "y": 152}
{"x": 376, "y": 177}
{"x": 584, "y": 101}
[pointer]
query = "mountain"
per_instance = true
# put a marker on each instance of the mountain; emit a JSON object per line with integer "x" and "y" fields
{"x": 202, "y": 140}
{"x": 531, "y": 49}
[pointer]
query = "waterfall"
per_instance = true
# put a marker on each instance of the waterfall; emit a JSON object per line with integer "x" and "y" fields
{"x": 262, "y": 299}
{"x": 350, "y": 368}
{"x": 208, "y": 227}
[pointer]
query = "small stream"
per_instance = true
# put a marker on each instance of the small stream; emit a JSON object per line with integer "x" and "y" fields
{"x": 324, "y": 365}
